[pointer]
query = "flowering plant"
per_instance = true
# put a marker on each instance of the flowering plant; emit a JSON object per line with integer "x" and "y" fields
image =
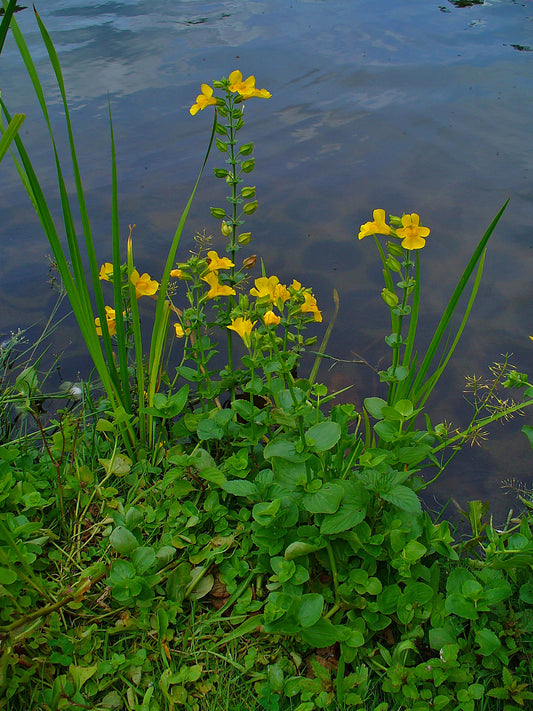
{"x": 247, "y": 478}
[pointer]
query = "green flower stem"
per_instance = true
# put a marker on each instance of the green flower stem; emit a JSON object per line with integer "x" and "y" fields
{"x": 393, "y": 386}
{"x": 472, "y": 428}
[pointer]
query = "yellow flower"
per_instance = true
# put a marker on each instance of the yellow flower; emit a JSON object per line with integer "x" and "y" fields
{"x": 246, "y": 88}
{"x": 110, "y": 320}
{"x": 265, "y": 287}
{"x": 270, "y": 319}
{"x": 310, "y": 306}
{"x": 296, "y": 285}
{"x": 204, "y": 99}
{"x": 411, "y": 233}
{"x": 216, "y": 262}
{"x": 243, "y": 327}
{"x": 144, "y": 285}
{"x": 280, "y": 294}
{"x": 377, "y": 227}
{"x": 216, "y": 288}
{"x": 179, "y": 330}
{"x": 176, "y": 273}
{"x": 106, "y": 272}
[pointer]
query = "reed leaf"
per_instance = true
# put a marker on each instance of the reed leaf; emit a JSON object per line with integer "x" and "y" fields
{"x": 423, "y": 384}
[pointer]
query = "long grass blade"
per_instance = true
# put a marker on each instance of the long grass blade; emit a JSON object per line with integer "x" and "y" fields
{"x": 420, "y": 397}
{"x": 452, "y": 304}
{"x": 117, "y": 276}
{"x": 9, "y": 133}
{"x": 9, "y": 8}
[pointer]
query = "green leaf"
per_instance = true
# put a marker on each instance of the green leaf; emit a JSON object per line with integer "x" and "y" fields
{"x": 342, "y": 520}
{"x": 81, "y": 674}
{"x": 143, "y": 558}
{"x": 300, "y": 548}
{"x": 325, "y": 500}
{"x": 322, "y": 634}
{"x": 123, "y": 540}
{"x": 374, "y": 406}
{"x": 457, "y": 605}
{"x": 7, "y": 576}
{"x": 266, "y": 511}
{"x": 439, "y": 636}
{"x": 310, "y": 609}
{"x": 404, "y": 498}
{"x": 240, "y": 487}
{"x": 387, "y": 431}
{"x": 212, "y": 474}
{"x": 487, "y": 641}
{"x": 526, "y": 593}
{"x": 209, "y": 429}
{"x": 323, "y": 436}
{"x": 284, "y": 449}
{"x": 413, "y": 551}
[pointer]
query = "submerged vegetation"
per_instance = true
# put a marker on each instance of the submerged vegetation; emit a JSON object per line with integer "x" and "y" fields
{"x": 183, "y": 533}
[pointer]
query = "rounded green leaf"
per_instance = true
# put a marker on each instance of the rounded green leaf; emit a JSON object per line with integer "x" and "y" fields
{"x": 323, "y": 436}
{"x": 325, "y": 500}
{"x": 7, "y": 576}
{"x": 311, "y": 609}
{"x": 123, "y": 540}
{"x": 526, "y": 593}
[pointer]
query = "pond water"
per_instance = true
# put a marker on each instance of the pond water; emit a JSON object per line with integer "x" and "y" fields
{"x": 411, "y": 105}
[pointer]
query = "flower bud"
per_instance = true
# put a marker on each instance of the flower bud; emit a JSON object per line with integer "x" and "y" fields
{"x": 226, "y": 229}
{"x": 270, "y": 319}
{"x": 393, "y": 264}
{"x": 248, "y": 165}
{"x": 217, "y": 212}
{"x": 246, "y": 149}
{"x": 245, "y": 238}
{"x": 220, "y": 172}
{"x": 249, "y": 262}
{"x": 250, "y": 207}
{"x": 248, "y": 193}
{"x": 389, "y": 297}
{"x": 394, "y": 249}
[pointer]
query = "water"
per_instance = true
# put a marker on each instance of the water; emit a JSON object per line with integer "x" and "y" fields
{"x": 412, "y": 106}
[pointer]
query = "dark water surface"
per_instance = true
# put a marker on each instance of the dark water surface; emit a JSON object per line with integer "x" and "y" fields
{"x": 408, "y": 105}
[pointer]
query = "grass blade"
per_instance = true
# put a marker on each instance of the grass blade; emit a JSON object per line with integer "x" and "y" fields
{"x": 4, "y": 25}
{"x": 452, "y": 305}
{"x": 9, "y": 133}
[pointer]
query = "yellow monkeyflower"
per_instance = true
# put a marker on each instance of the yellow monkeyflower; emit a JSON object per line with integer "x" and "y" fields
{"x": 265, "y": 287}
{"x": 106, "y": 272}
{"x": 246, "y": 88}
{"x": 411, "y": 233}
{"x": 216, "y": 288}
{"x": 179, "y": 330}
{"x": 280, "y": 294}
{"x": 216, "y": 262}
{"x": 204, "y": 99}
{"x": 243, "y": 326}
{"x": 176, "y": 273}
{"x": 110, "y": 320}
{"x": 310, "y": 306}
{"x": 270, "y": 319}
{"x": 144, "y": 285}
{"x": 377, "y": 227}
{"x": 296, "y": 285}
